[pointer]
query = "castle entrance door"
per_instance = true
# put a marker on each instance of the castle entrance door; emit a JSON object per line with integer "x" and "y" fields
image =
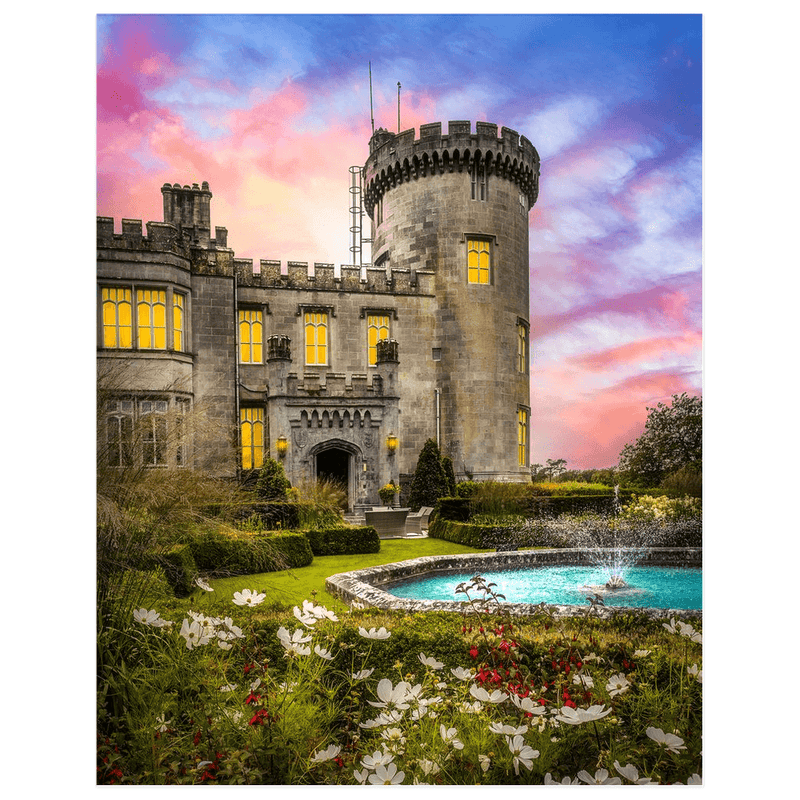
{"x": 333, "y": 464}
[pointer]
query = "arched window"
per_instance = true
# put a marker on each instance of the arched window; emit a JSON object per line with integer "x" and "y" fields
{"x": 316, "y": 329}
{"x": 479, "y": 261}
{"x": 377, "y": 329}
{"x": 251, "y": 422}
{"x": 251, "y": 336}
{"x": 117, "y": 317}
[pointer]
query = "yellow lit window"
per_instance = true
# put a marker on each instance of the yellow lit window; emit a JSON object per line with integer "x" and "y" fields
{"x": 479, "y": 261}
{"x": 377, "y": 329}
{"x": 251, "y": 336}
{"x": 316, "y": 323}
{"x": 151, "y": 317}
{"x": 522, "y": 347}
{"x": 117, "y": 318}
{"x": 178, "y": 312}
{"x": 252, "y": 431}
{"x": 522, "y": 436}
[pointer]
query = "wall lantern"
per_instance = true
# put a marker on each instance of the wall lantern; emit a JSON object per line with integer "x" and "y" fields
{"x": 391, "y": 444}
{"x": 282, "y": 445}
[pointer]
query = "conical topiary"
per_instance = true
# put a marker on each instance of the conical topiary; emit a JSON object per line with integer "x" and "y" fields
{"x": 447, "y": 463}
{"x": 272, "y": 482}
{"x": 430, "y": 480}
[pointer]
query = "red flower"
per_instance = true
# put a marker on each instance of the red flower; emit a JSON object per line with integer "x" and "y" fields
{"x": 473, "y": 651}
{"x": 260, "y": 717}
{"x": 197, "y": 736}
{"x": 252, "y": 698}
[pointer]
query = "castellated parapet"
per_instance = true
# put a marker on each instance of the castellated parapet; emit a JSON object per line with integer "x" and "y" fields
{"x": 398, "y": 158}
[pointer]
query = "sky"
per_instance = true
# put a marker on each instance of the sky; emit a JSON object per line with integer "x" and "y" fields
{"x": 273, "y": 110}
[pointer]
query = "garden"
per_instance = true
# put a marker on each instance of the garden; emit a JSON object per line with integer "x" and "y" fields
{"x": 223, "y": 660}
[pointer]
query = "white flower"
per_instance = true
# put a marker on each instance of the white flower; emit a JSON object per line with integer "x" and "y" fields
{"x": 485, "y": 762}
{"x": 203, "y": 585}
{"x": 450, "y": 736}
{"x": 600, "y": 778}
{"x": 195, "y": 634}
{"x": 429, "y": 767}
{"x": 255, "y": 684}
{"x": 548, "y": 781}
{"x": 577, "y": 716}
{"x": 152, "y": 618}
{"x": 479, "y": 693}
{"x": 381, "y": 633}
{"x": 583, "y": 679}
{"x": 387, "y": 775}
{"x": 362, "y": 674}
{"x": 463, "y": 674}
{"x": 507, "y": 730}
{"x": 162, "y": 723}
{"x": 641, "y": 653}
{"x": 698, "y": 673}
{"x": 376, "y": 759}
{"x": 521, "y": 752}
{"x": 224, "y": 645}
{"x": 326, "y": 654}
{"x": 296, "y": 642}
{"x": 430, "y": 662}
{"x": 695, "y": 780}
{"x": 669, "y": 740}
{"x": 318, "y": 612}
{"x": 248, "y": 598}
{"x": 392, "y": 696}
{"x": 632, "y": 774}
{"x": 234, "y": 632}
{"x": 394, "y": 739}
{"x": 527, "y": 705}
{"x": 670, "y": 626}
{"x": 307, "y": 619}
{"x": 327, "y": 754}
{"x": 228, "y": 687}
{"x": 361, "y": 775}
{"x": 617, "y": 684}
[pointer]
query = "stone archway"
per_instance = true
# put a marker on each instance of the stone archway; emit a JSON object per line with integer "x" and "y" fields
{"x": 338, "y": 460}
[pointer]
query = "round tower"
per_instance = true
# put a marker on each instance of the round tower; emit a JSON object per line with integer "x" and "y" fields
{"x": 457, "y": 205}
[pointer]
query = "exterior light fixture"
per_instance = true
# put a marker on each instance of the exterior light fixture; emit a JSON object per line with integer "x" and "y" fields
{"x": 282, "y": 445}
{"x": 391, "y": 444}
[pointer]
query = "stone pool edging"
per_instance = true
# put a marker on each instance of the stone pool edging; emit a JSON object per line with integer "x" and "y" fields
{"x": 364, "y": 585}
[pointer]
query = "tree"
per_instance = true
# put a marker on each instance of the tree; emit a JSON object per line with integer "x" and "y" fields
{"x": 672, "y": 440}
{"x": 555, "y": 467}
{"x": 430, "y": 480}
{"x": 272, "y": 481}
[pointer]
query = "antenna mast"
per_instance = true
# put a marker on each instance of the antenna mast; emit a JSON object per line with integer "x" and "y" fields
{"x": 398, "y": 106}
{"x": 371, "y": 112}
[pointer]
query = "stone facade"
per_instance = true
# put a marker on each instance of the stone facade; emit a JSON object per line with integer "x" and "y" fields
{"x": 234, "y": 343}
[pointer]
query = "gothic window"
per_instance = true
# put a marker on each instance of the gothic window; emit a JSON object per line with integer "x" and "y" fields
{"x": 178, "y": 321}
{"x": 251, "y": 422}
{"x": 377, "y": 329}
{"x": 151, "y": 317}
{"x": 181, "y": 442}
{"x": 379, "y": 211}
{"x": 119, "y": 433}
{"x": 316, "y": 334}
{"x": 153, "y": 423}
{"x": 522, "y": 346}
{"x": 478, "y": 180}
{"x": 479, "y": 261}
{"x": 251, "y": 336}
{"x": 117, "y": 317}
{"x": 522, "y": 437}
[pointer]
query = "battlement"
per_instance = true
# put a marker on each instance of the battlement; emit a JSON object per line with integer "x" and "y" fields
{"x": 161, "y": 237}
{"x": 395, "y": 158}
{"x": 319, "y": 276}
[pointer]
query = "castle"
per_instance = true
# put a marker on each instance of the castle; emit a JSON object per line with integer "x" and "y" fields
{"x": 338, "y": 371}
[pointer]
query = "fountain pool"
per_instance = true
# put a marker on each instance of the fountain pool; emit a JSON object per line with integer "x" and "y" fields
{"x": 380, "y": 586}
{"x": 664, "y": 587}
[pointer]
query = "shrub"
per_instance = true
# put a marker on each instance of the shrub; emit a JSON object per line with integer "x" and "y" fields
{"x": 430, "y": 480}
{"x": 180, "y": 568}
{"x": 449, "y": 472}
{"x": 221, "y": 553}
{"x": 649, "y": 508}
{"x": 686, "y": 482}
{"x": 466, "y": 488}
{"x": 344, "y": 541}
{"x": 272, "y": 483}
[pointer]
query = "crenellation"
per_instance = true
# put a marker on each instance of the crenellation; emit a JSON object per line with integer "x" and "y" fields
{"x": 132, "y": 229}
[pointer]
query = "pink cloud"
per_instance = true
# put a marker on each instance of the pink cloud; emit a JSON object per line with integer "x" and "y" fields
{"x": 639, "y": 351}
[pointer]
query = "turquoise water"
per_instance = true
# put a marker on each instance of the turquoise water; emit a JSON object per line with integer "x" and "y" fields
{"x": 651, "y": 587}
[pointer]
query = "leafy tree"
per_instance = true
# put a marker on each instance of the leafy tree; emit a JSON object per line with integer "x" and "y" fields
{"x": 538, "y": 472}
{"x": 272, "y": 481}
{"x": 555, "y": 466}
{"x": 672, "y": 440}
{"x": 430, "y": 480}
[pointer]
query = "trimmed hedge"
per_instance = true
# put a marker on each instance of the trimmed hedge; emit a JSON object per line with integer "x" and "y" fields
{"x": 180, "y": 569}
{"x": 223, "y": 554}
{"x": 344, "y": 541}
{"x": 274, "y": 515}
{"x": 486, "y": 537}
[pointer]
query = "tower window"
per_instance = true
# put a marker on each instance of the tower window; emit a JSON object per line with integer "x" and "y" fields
{"x": 119, "y": 433}
{"x": 377, "y": 329}
{"x": 151, "y": 315}
{"x": 153, "y": 420}
{"x": 379, "y": 211}
{"x": 251, "y": 422}
{"x": 316, "y": 329}
{"x": 522, "y": 346}
{"x": 251, "y": 336}
{"x": 117, "y": 317}
{"x": 522, "y": 437}
{"x": 478, "y": 180}
{"x": 479, "y": 261}
{"x": 178, "y": 321}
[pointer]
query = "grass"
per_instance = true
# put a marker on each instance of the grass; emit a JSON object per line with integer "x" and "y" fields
{"x": 290, "y": 587}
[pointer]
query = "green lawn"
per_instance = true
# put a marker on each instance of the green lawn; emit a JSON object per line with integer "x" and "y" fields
{"x": 291, "y": 587}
